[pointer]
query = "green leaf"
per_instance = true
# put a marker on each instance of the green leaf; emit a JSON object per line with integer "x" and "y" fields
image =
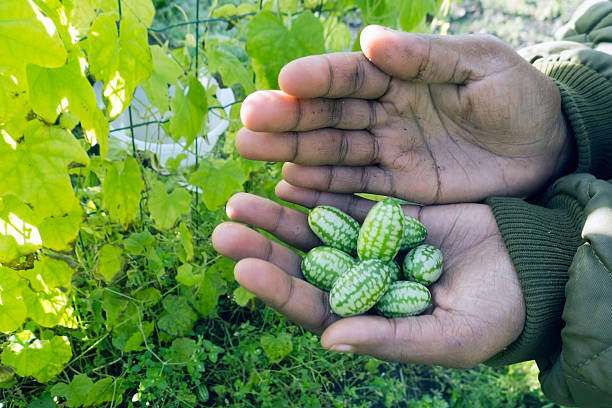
{"x": 13, "y": 97}
{"x": 186, "y": 238}
{"x": 165, "y": 72}
{"x": 188, "y": 112}
{"x": 121, "y": 61}
{"x": 36, "y": 168}
{"x": 48, "y": 273}
{"x": 54, "y": 90}
{"x": 185, "y": 275}
{"x": 182, "y": 350}
{"x": 60, "y": 233}
{"x": 178, "y": 317}
{"x": 337, "y": 35}
{"x": 25, "y": 40}
{"x": 207, "y": 297}
{"x": 129, "y": 337}
{"x": 83, "y": 392}
{"x": 115, "y": 307}
{"x": 276, "y": 347}
{"x": 218, "y": 181}
{"x": 13, "y": 311}
{"x": 271, "y": 45}
{"x": 110, "y": 262}
{"x": 166, "y": 208}
{"x": 242, "y": 296}
{"x": 308, "y": 30}
{"x": 225, "y": 268}
{"x": 45, "y": 308}
{"x": 143, "y": 10}
{"x": 414, "y": 11}
{"x": 18, "y": 233}
{"x": 138, "y": 242}
{"x": 231, "y": 69}
{"x": 41, "y": 359}
{"x": 122, "y": 188}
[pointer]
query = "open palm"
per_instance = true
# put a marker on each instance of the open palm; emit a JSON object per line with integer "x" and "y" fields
{"x": 426, "y": 118}
{"x": 478, "y": 306}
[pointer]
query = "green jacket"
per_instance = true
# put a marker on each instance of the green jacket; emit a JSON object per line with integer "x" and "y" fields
{"x": 561, "y": 241}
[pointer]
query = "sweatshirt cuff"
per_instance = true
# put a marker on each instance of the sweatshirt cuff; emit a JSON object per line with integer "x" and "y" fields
{"x": 542, "y": 243}
{"x": 587, "y": 104}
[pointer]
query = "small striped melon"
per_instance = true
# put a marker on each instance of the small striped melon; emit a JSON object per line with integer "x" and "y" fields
{"x": 404, "y": 298}
{"x": 414, "y": 233}
{"x": 382, "y": 231}
{"x": 423, "y": 264}
{"x": 323, "y": 265}
{"x": 359, "y": 288}
{"x": 334, "y": 228}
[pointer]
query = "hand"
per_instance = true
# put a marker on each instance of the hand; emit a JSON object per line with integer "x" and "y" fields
{"x": 478, "y": 307}
{"x": 431, "y": 119}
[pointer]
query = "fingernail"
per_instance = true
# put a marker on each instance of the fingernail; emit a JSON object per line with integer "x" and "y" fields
{"x": 342, "y": 348}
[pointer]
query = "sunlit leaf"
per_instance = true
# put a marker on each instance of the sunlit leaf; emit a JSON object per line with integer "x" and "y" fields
{"x": 48, "y": 273}
{"x": 45, "y": 308}
{"x": 276, "y": 347}
{"x": 36, "y": 169}
{"x": 41, "y": 359}
{"x": 13, "y": 311}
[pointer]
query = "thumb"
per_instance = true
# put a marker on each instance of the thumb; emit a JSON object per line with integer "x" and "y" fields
{"x": 414, "y": 339}
{"x": 433, "y": 58}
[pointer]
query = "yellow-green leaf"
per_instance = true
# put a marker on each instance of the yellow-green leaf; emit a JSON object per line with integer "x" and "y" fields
{"x": 36, "y": 169}
{"x": 110, "y": 262}
{"x": 165, "y": 209}
{"x": 25, "y": 40}
{"x": 218, "y": 181}
{"x": 122, "y": 188}
{"x": 188, "y": 112}
{"x": 48, "y": 273}
{"x": 13, "y": 311}
{"x": 41, "y": 359}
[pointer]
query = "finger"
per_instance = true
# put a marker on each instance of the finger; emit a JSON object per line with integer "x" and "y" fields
{"x": 431, "y": 58}
{"x": 316, "y": 147}
{"x": 287, "y": 224}
{"x": 425, "y": 339}
{"x": 276, "y": 111}
{"x": 301, "y": 302}
{"x": 238, "y": 242}
{"x": 351, "y": 204}
{"x": 340, "y": 179}
{"x": 336, "y": 75}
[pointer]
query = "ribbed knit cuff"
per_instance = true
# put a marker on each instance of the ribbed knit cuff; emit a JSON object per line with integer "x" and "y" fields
{"x": 587, "y": 102}
{"x": 542, "y": 243}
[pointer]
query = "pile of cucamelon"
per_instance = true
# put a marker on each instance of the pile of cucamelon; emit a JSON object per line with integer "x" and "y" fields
{"x": 374, "y": 279}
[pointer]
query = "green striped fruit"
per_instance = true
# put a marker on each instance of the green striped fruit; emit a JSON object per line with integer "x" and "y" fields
{"x": 423, "y": 264}
{"x": 334, "y": 228}
{"x": 394, "y": 271}
{"x": 359, "y": 288}
{"x": 382, "y": 231}
{"x": 323, "y": 265}
{"x": 414, "y": 233}
{"x": 403, "y": 298}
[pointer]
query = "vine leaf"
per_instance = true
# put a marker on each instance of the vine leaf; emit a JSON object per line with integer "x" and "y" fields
{"x": 165, "y": 71}
{"x": 46, "y": 308}
{"x": 218, "y": 181}
{"x": 166, "y": 208}
{"x": 178, "y": 317}
{"x": 48, "y": 273}
{"x": 121, "y": 61}
{"x": 53, "y": 90}
{"x": 229, "y": 66}
{"x": 60, "y": 233}
{"x": 122, "y": 188}
{"x": 276, "y": 347}
{"x": 186, "y": 239}
{"x": 18, "y": 233}
{"x": 110, "y": 262}
{"x": 24, "y": 39}
{"x": 413, "y": 12}
{"x": 36, "y": 169}
{"x": 41, "y": 359}
{"x": 188, "y": 112}
{"x": 13, "y": 311}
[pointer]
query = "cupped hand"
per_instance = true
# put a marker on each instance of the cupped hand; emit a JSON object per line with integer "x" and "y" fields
{"x": 477, "y": 305}
{"x": 431, "y": 119}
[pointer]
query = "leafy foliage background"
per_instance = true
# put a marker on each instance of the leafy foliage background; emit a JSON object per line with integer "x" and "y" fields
{"x": 110, "y": 292}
